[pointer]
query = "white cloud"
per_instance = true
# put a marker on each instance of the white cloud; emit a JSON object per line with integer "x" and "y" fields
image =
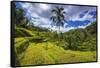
{"x": 81, "y": 26}
{"x": 87, "y": 16}
{"x": 33, "y": 14}
{"x": 62, "y": 29}
{"x": 45, "y": 26}
{"x": 41, "y": 22}
{"x": 45, "y": 21}
{"x": 44, "y": 6}
{"x": 26, "y": 5}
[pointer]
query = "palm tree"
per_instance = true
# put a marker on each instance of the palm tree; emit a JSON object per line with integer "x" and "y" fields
{"x": 58, "y": 17}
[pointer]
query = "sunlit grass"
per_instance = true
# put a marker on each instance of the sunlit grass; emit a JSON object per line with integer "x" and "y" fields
{"x": 36, "y": 55}
{"x": 19, "y": 39}
{"x": 26, "y": 30}
{"x": 50, "y": 53}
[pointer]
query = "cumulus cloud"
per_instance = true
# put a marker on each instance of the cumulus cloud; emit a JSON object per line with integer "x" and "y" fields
{"x": 44, "y": 6}
{"x": 86, "y": 16}
{"x": 76, "y": 17}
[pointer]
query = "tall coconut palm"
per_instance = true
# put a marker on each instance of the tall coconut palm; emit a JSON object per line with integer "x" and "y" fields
{"x": 58, "y": 17}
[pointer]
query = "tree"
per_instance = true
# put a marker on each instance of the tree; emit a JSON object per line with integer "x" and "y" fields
{"x": 58, "y": 17}
{"x": 19, "y": 17}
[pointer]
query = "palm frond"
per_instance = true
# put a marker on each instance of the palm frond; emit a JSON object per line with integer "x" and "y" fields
{"x": 59, "y": 16}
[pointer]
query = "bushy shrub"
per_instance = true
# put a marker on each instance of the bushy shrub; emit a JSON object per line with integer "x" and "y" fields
{"x": 88, "y": 45}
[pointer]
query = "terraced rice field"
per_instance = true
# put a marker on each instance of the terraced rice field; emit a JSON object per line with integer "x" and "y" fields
{"x": 32, "y": 53}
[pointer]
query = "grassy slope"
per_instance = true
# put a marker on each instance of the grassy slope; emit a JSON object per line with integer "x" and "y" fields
{"x": 49, "y": 53}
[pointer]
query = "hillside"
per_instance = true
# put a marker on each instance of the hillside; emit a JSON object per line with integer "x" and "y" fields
{"x": 43, "y": 47}
{"x": 82, "y": 39}
{"x": 92, "y": 28}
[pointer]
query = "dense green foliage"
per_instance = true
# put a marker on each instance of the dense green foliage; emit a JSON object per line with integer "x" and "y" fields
{"x": 81, "y": 39}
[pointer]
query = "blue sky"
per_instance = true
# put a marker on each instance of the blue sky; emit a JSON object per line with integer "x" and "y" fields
{"x": 77, "y": 16}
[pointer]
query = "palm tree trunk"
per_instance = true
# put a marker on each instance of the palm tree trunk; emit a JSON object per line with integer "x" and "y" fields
{"x": 59, "y": 34}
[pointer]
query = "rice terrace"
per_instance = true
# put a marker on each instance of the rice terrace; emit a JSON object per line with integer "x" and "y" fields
{"x": 47, "y": 33}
